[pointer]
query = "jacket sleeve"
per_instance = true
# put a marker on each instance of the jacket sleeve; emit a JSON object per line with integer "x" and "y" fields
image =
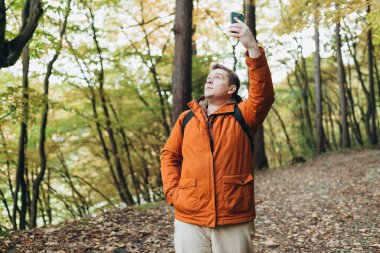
{"x": 261, "y": 93}
{"x": 171, "y": 160}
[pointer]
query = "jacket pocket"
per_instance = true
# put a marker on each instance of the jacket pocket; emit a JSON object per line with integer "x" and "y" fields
{"x": 237, "y": 193}
{"x": 186, "y": 199}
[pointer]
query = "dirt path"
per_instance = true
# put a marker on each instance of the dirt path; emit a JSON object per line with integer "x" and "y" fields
{"x": 329, "y": 204}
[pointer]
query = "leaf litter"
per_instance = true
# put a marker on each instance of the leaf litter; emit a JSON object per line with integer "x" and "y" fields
{"x": 328, "y": 204}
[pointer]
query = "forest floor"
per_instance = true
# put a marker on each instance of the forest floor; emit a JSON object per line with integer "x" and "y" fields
{"x": 328, "y": 204}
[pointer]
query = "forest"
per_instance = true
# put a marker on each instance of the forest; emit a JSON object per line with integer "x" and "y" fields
{"x": 90, "y": 90}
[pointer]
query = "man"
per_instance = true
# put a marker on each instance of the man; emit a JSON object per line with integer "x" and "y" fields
{"x": 207, "y": 165}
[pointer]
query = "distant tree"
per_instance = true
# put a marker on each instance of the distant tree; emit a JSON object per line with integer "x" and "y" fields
{"x": 372, "y": 102}
{"x": 345, "y": 138}
{"x": 320, "y": 143}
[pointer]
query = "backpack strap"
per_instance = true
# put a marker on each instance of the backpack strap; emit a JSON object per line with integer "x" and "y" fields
{"x": 239, "y": 117}
{"x": 186, "y": 120}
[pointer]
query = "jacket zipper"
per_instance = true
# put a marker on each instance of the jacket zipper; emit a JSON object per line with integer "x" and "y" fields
{"x": 210, "y": 125}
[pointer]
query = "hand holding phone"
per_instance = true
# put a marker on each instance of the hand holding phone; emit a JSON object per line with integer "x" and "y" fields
{"x": 241, "y": 31}
{"x": 238, "y": 15}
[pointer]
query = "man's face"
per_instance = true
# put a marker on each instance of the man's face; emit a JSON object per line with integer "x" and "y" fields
{"x": 217, "y": 86}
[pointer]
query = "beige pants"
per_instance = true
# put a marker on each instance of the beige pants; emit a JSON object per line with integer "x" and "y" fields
{"x": 190, "y": 238}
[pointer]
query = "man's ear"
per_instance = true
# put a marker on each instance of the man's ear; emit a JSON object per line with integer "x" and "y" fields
{"x": 231, "y": 89}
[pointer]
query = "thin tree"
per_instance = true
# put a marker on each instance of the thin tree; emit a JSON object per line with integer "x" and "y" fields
{"x": 345, "y": 138}
{"x": 320, "y": 144}
{"x": 372, "y": 102}
{"x": 44, "y": 120}
{"x": 23, "y": 140}
{"x": 181, "y": 80}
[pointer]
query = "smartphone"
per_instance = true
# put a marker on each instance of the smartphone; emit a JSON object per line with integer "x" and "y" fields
{"x": 238, "y": 15}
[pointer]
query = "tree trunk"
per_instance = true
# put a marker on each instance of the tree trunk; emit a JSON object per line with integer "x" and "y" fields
{"x": 23, "y": 140}
{"x": 320, "y": 144}
{"x": 372, "y": 102}
{"x": 250, "y": 13}
{"x": 260, "y": 158}
{"x": 345, "y": 138}
{"x": 181, "y": 82}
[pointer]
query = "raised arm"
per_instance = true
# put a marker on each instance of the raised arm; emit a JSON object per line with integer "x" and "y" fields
{"x": 261, "y": 93}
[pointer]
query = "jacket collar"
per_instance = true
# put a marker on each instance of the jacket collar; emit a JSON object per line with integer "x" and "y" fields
{"x": 199, "y": 106}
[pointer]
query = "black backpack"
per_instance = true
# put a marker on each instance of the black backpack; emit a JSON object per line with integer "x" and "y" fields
{"x": 236, "y": 114}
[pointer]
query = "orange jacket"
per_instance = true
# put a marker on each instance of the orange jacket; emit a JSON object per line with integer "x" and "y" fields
{"x": 211, "y": 187}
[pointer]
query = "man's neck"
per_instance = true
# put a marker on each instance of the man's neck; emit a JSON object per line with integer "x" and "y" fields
{"x": 214, "y": 106}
